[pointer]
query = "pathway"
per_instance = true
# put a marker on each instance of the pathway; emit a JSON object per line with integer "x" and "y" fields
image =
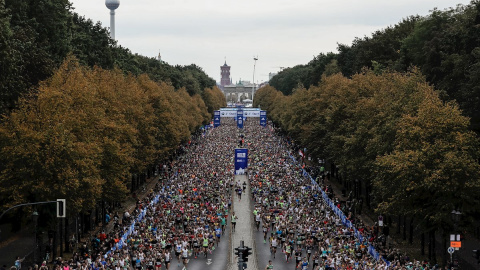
{"x": 244, "y": 229}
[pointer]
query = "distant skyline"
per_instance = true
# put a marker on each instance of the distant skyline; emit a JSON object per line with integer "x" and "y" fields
{"x": 283, "y": 33}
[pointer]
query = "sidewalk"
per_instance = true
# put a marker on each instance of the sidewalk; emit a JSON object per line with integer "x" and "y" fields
{"x": 244, "y": 229}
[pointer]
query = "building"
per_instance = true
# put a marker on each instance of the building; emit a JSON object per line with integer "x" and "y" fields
{"x": 238, "y": 92}
{"x": 234, "y": 92}
{"x": 225, "y": 75}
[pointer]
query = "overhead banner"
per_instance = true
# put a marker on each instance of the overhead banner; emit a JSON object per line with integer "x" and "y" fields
{"x": 263, "y": 118}
{"x": 233, "y": 113}
{"x": 240, "y": 119}
{"x": 216, "y": 118}
{"x": 251, "y": 113}
{"x": 241, "y": 160}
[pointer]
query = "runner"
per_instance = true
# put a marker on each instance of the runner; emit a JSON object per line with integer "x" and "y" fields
{"x": 288, "y": 251}
{"x": 205, "y": 246}
{"x": 269, "y": 266}
{"x": 265, "y": 232}
{"x": 258, "y": 218}
{"x": 233, "y": 221}
{"x": 167, "y": 258}
{"x": 185, "y": 256}
{"x": 178, "y": 251}
{"x": 303, "y": 265}
{"x": 298, "y": 256}
{"x": 273, "y": 246}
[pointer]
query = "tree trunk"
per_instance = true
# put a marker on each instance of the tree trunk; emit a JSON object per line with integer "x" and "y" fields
{"x": 445, "y": 246}
{"x": 67, "y": 236}
{"x": 398, "y": 223}
{"x": 429, "y": 246}
{"x": 422, "y": 244}
{"x": 104, "y": 214}
{"x": 60, "y": 227}
{"x": 133, "y": 184}
{"x": 55, "y": 239}
{"x": 434, "y": 250}
{"x": 404, "y": 227}
{"x": 410, "y": 240}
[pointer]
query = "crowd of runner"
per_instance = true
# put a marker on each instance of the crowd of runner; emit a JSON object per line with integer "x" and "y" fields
{"x": 296, "y": 223}
{"x": 194, "y": 208}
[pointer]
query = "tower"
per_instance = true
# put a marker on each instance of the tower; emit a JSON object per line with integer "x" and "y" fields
{"x": 112, "y": 5}
{"x": 225, "y": 73}
{"x": 159, "y": 58}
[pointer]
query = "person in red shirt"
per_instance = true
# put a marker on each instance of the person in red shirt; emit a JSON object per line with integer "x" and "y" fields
{"x": 102, "y": 236}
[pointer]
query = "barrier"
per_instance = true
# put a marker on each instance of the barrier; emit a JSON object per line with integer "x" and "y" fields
{"x": 139, "y": 218}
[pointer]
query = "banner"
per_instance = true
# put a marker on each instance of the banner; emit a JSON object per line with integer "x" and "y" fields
{"x": 251, "y": 113}
{"x": 232, "y": 112}
{"x": 241, "y": 160}
{"x": 240, "y": 119}
{"x": 263, "y": 118}
{"x": 216, "y": 118}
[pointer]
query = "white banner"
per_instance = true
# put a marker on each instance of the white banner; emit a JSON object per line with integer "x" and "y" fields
{"x": 233, "y": 113}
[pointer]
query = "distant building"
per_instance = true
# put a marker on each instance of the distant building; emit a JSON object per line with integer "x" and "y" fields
{"x": 225, "y": 75}
{"x": 238, "y": 92}
{"x": 234, "y": 92}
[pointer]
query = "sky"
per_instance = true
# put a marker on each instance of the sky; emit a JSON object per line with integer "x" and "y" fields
{"x": 282, "y": 33}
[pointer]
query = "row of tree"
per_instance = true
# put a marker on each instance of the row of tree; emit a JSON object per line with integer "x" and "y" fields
{"x": 37, "y": 35}
{"x": 444, "y": 45}
{"x": 86, "y": 131}
{"x": 413, "y": 153}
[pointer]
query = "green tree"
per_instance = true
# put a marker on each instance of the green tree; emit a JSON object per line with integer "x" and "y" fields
{"x": 434, "y": 165}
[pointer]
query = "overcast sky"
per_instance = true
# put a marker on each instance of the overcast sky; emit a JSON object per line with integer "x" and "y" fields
{"x": 283, "y": 33}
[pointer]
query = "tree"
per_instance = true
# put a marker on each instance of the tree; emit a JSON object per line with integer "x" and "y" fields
{"x": 434, "y": 165}
{"x": 48, "y": 146}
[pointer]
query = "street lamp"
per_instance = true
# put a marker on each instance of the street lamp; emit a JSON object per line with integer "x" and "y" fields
{"x": 455, "y": 237}
{"x": 35, "y": 219}
{"x": 254, "y": 63}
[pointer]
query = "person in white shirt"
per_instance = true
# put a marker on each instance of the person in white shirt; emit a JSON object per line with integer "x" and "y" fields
{"x": 185, "y": 256}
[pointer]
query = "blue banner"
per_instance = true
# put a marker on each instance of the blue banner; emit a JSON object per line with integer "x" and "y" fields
{"x": 240, "y": 118}
{"x": 216, "y": 118}
{"x": 263, "y": 118}
{"x": 241, "y": 160}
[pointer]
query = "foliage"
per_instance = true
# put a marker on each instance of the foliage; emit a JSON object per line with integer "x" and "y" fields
{"x": 305, "y": 75}
{"x": 434, "y": 164}
{"x": 87, "y": 130}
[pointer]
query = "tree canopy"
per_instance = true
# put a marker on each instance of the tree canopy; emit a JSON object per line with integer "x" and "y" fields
{"x": 85, "y": 131}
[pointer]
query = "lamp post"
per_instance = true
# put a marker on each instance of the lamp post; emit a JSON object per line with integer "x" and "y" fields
{"x": 35, "y": 219}
{"x": 254, "y": 63}
{"x": 456, "y": 237}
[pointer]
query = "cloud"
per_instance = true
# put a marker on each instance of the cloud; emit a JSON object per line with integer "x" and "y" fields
{"x": 282, "y": 32}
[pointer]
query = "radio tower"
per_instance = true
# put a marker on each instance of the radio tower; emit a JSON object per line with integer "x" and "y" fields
{"x": 112, "y": 5}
